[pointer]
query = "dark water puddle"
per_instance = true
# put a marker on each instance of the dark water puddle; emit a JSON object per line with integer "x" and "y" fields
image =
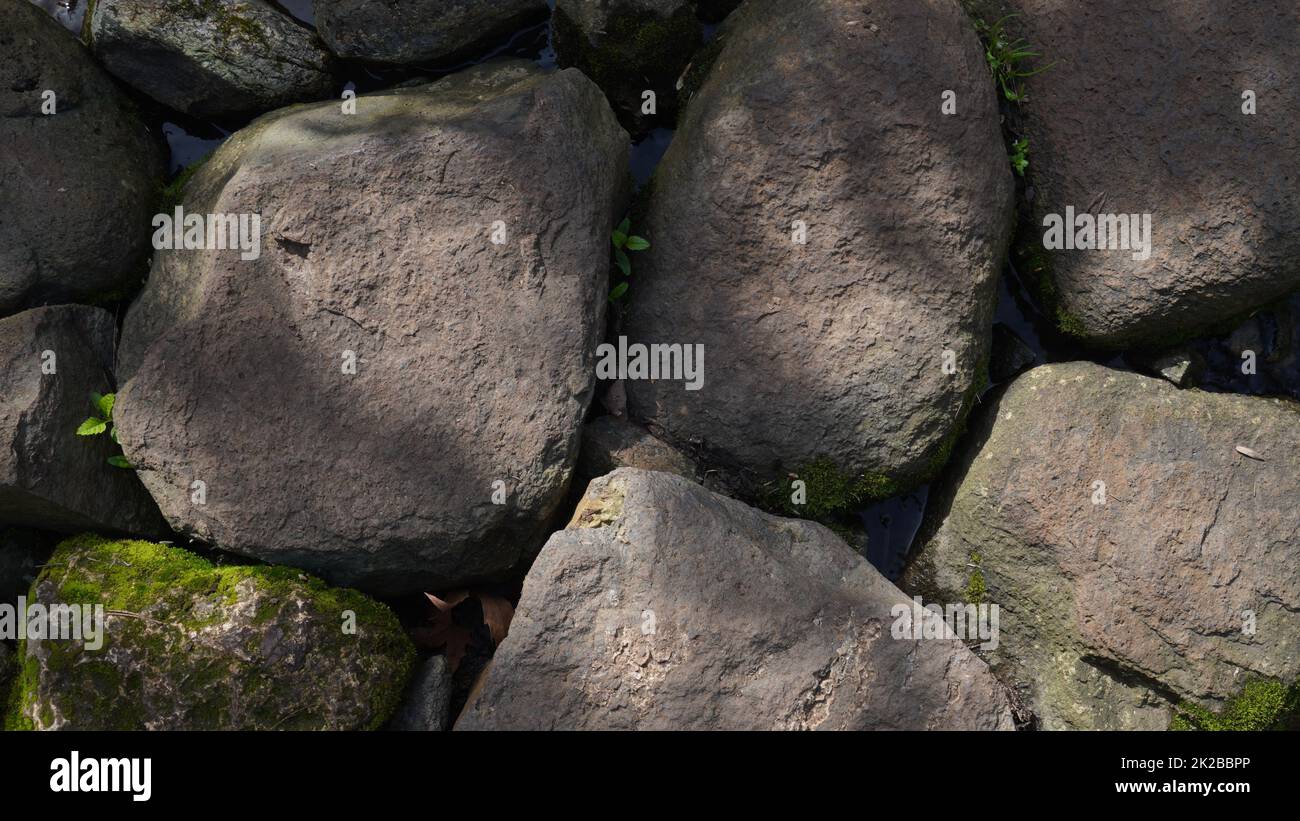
{"x": 1014, "y": 311}
{"x": 188, "y": 146}
{"x": 301, "y": 10}
{"x": 646, "y": 154}
{"x": 1269, "y": 340}
{"x": 891, "y": 528}
{"x": 71, "y": 13}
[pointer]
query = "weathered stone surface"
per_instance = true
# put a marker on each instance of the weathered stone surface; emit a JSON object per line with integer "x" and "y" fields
{"x": 79, "y": 184}
{"x": 609, "y": 443}
{"x": 427, "y": 703}
{"x": 474, "y": 360}
{"x": 665, "y": 606}
{"x": 1113, "y": 606}
{"x": 1141, "y": 113}
{"x": 192, "y": 646}
{"x": 51, "y": 478}
{"x": 629, "y": 47}
{"x": 835, "y": 348}
{"x": 420, "y": 31}
{"x": 22, "y": 553}
{"x": 210, "y": 58}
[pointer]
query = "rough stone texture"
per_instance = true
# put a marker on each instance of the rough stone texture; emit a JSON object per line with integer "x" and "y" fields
{"x": 210, "y": 58}
{"x": 1142, "y": 113}
{"x": 629, "y": 47}
{"x": 191, "y": 646}
{"x": 427, "y": 704}
{"x": 22, "y": 553}
{"x": 832, "y": 349}
{"x": 80, "y": 184}
{"x": 475, "y": 361}
{"x": 1110, "y": 611}
{"x": 420, "y": 31}
{"x": 665, "y": 606}
{"x": 609, "y": 443}
{"x": 51, "y": 478}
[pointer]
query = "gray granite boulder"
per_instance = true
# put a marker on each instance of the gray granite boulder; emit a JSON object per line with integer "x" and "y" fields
{"x": 51, "y": 361}
{"x": 210, "y": 58}
{"x": 391, "y": 394}
{"x": 832, "y": 239}
{"x": 420, "y": 31}
{"x": 1142, "y": 113}
{"x": 1139, "y": 539}
{"x": 665, "y": 606}
{"x": 80, "y": 183}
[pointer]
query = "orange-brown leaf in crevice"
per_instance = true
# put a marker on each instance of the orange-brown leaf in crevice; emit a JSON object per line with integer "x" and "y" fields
{"x": 497, "y": 614}
{"x": 455, "y": 630}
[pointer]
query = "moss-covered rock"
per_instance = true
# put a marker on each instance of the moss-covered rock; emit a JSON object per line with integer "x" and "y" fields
{"x": 1263, "y": 704}
{"x": 192, "y": 645}
{"x": 629, "y": 47}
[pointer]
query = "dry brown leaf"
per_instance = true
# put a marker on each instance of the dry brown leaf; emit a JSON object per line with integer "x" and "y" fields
{"x": 1245, "y": 451}
{"x": 442, "y": 634}
{"x": 497, "y": 614}
{"x": 454, "y": 598}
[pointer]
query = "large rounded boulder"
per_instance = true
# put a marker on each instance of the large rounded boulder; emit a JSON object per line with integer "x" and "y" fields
{"x": 832, "y": 239}
{"x": 420, "y": 31}
{"x": 210, "y": 58}
{"x": 54, "y": 362}
{"x": 81, "y": 171}
{"x": 1170, "y": 132}
{"x": 390, "y": 390}
{"x": 1140, "y": 540}
{"x": 665, "y": 606}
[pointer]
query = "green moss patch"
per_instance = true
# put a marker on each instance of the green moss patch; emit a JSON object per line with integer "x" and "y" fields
{"x": 1263, "y": 704}
{"x": 193, "y": 645}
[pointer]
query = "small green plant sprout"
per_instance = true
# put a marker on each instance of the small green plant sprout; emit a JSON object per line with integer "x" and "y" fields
{"x": 624, "y": 241}
{"x": 1020, "y": 155}
{"x": 1005, "y": 56}
{"x": 102, "y": 422}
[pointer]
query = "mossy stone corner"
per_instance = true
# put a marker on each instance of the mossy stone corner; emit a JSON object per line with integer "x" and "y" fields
{"x": 192, "y": 645}
{"x": 827, "y": 491}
